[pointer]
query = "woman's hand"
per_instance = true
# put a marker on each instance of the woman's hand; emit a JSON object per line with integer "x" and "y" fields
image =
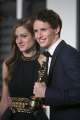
{"x": 4, "y": 104}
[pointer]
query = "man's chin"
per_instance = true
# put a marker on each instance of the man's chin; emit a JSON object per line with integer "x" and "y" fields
{"x": 42, "y": 45}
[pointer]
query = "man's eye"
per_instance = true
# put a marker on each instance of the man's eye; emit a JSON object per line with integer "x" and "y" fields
{"x": 44, "y": 29}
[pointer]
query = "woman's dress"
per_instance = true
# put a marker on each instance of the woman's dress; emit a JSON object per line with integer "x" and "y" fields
{"x": 24, "y": 74}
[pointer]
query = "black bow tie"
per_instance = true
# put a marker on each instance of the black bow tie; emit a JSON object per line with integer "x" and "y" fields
{"x": 47, "y": 54}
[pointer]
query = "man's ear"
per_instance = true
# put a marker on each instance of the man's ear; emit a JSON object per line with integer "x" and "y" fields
{"x": 57, "y": 30}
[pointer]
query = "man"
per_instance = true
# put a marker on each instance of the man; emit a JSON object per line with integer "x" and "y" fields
{"x": 62, "y": 92}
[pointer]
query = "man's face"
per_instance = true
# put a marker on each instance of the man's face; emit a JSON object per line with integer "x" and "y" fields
{"x": 44, "y": 34}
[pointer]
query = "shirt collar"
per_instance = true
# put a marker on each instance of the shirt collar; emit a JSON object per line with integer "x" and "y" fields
{"x": 52, "y": 48}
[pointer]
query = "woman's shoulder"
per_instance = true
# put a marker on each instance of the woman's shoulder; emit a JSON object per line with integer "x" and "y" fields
{"x": 4, "y": 65}
{"x": 4, "y": 70}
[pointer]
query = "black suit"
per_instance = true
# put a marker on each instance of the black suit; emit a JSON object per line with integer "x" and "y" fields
{"x": 63, "y": 89}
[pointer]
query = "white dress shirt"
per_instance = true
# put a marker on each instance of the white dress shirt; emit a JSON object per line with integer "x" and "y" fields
{"x": 51, "y": 50}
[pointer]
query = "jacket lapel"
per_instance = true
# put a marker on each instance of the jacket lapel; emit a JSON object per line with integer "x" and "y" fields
{"x": 55, "y": 56}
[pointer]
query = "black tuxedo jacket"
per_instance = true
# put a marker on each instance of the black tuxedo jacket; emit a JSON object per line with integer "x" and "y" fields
{"x": 63, "y": 88}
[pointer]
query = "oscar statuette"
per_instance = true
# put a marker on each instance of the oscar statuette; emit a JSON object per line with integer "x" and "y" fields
{"x": 37, "y": 103}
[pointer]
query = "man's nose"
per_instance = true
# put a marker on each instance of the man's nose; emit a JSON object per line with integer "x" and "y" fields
{"x": 39, "y": 34}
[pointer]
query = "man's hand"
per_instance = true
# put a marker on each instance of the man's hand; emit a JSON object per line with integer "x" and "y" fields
{"x": 39, "y": 89}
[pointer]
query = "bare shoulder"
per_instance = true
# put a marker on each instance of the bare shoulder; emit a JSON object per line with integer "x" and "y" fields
{"x": 4, "y": 66}
{"x": 4, "y": 70}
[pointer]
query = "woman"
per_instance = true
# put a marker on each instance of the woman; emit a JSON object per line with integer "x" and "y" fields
{"x": 20, "y": 71}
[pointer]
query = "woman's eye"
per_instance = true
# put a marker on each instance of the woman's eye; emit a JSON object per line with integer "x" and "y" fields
{"x": 24, "y": 35}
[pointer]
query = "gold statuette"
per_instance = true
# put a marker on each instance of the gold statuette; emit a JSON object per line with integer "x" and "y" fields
{"x": 42, "y": 77}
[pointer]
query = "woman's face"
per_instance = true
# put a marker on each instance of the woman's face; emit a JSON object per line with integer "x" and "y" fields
{"x": 24, "y": 39}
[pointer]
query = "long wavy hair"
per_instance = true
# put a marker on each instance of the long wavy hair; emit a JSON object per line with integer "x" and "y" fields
{"x": 15, "y": 52}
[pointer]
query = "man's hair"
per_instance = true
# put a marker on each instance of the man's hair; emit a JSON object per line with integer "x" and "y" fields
{"x": 49, "y": 16}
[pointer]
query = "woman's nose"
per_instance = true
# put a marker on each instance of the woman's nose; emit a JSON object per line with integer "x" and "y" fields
{"x": 19, "y": 39}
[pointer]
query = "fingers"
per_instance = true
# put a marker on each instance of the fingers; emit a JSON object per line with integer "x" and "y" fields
{"x": 39, "y": 89}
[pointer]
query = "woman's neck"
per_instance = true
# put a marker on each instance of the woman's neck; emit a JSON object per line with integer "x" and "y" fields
{"x": 29, "y": 54}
